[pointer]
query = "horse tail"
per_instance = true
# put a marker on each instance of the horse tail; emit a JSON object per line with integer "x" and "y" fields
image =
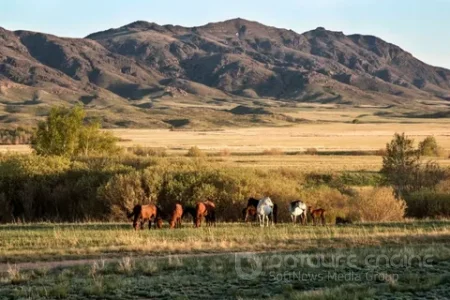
{"x": 275, "y": 213}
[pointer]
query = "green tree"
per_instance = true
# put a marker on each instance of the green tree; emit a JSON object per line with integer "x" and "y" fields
{"x": 64, "y": 133}
{"x": 400, "y": 163}
{"x": 429, "y": 147}
{"x": 404, "y": 170}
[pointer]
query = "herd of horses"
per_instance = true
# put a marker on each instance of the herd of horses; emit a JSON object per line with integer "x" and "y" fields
{"x": 262, "y": 209}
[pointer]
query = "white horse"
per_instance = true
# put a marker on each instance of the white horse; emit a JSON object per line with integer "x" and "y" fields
{"x": 298, "y": 208}
{"x": 264, "y": 210}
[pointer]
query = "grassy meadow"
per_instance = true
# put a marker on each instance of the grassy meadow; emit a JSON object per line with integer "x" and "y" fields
{"x": 73, "y": 240}
{"x": 48, "y": 242}
{"x": 296, "y": 262}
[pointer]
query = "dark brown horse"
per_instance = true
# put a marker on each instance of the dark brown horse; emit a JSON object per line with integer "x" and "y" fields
{"x": 250, "y": 210}
{"x": 205, "y": 210}
{"x": 189, "y": 210}
{"x": 142, "y": 214}
{"x": 175, "y": 218}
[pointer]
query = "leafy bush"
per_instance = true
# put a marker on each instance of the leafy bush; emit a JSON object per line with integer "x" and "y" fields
{"x": 429, "y": 147}
{"x": 377, "y": 205}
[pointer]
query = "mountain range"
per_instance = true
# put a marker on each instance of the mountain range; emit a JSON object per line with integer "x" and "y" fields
{"x": 122, "y": 73}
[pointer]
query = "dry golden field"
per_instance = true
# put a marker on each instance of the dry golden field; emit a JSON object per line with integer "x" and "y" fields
{"x": 247, "y": 145}
{"x": 328, "y": 137}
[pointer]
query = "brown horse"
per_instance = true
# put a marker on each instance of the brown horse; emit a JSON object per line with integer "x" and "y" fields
{"x": 317, "y": 215}
{"x": 177, "y": 214}
{"x": 142, "y": 214}
{"x": 207, "y": 210}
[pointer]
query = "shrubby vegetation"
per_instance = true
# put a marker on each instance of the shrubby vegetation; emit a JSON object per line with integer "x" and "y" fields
{"x": 65, "y": 134}
{"x": 35, "y": 188}
{"x": 429, "y": 147}
{"x": 71, "y": 179}
{"x": 404, "y": 170}
{"x": 415, "y": 181}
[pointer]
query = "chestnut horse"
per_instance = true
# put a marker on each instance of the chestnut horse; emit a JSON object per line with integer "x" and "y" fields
{"x": 205, "y": 210}
{"x": 317, "y": 215}
{"x": 142, "y": 214}
{"x": 175, "y": 219}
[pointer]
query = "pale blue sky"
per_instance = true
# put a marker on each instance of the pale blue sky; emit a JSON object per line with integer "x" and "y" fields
{"x": 421, "y": 27}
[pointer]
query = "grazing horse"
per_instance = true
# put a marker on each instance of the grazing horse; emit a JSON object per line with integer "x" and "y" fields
{"x": 205, "y": 210}
{"x": 264, "y": 210}
{"x": 175, "y": 219}
{"x": 143, "y": 213}
{"x": 298, "y": 209}
{"x": 317, "y": 215}
{"x": 250, "y": 210}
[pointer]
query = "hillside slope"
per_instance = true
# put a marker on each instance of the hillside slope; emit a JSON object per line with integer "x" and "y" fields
{"x": 124, "y": 72}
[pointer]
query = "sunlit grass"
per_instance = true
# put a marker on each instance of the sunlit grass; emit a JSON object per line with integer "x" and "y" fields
{"x": 64, "y": 241}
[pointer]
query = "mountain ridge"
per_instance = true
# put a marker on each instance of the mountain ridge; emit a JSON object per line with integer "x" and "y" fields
{"x": 136, "y": 64}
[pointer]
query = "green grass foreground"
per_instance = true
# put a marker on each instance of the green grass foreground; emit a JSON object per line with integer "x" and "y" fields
{"x": 218, "y": 277}
{"x": 148, "y": 264}
{"x": 40, "y": 242}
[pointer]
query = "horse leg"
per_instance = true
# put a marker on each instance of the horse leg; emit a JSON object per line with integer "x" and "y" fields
{"x": 135, "y": 222}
